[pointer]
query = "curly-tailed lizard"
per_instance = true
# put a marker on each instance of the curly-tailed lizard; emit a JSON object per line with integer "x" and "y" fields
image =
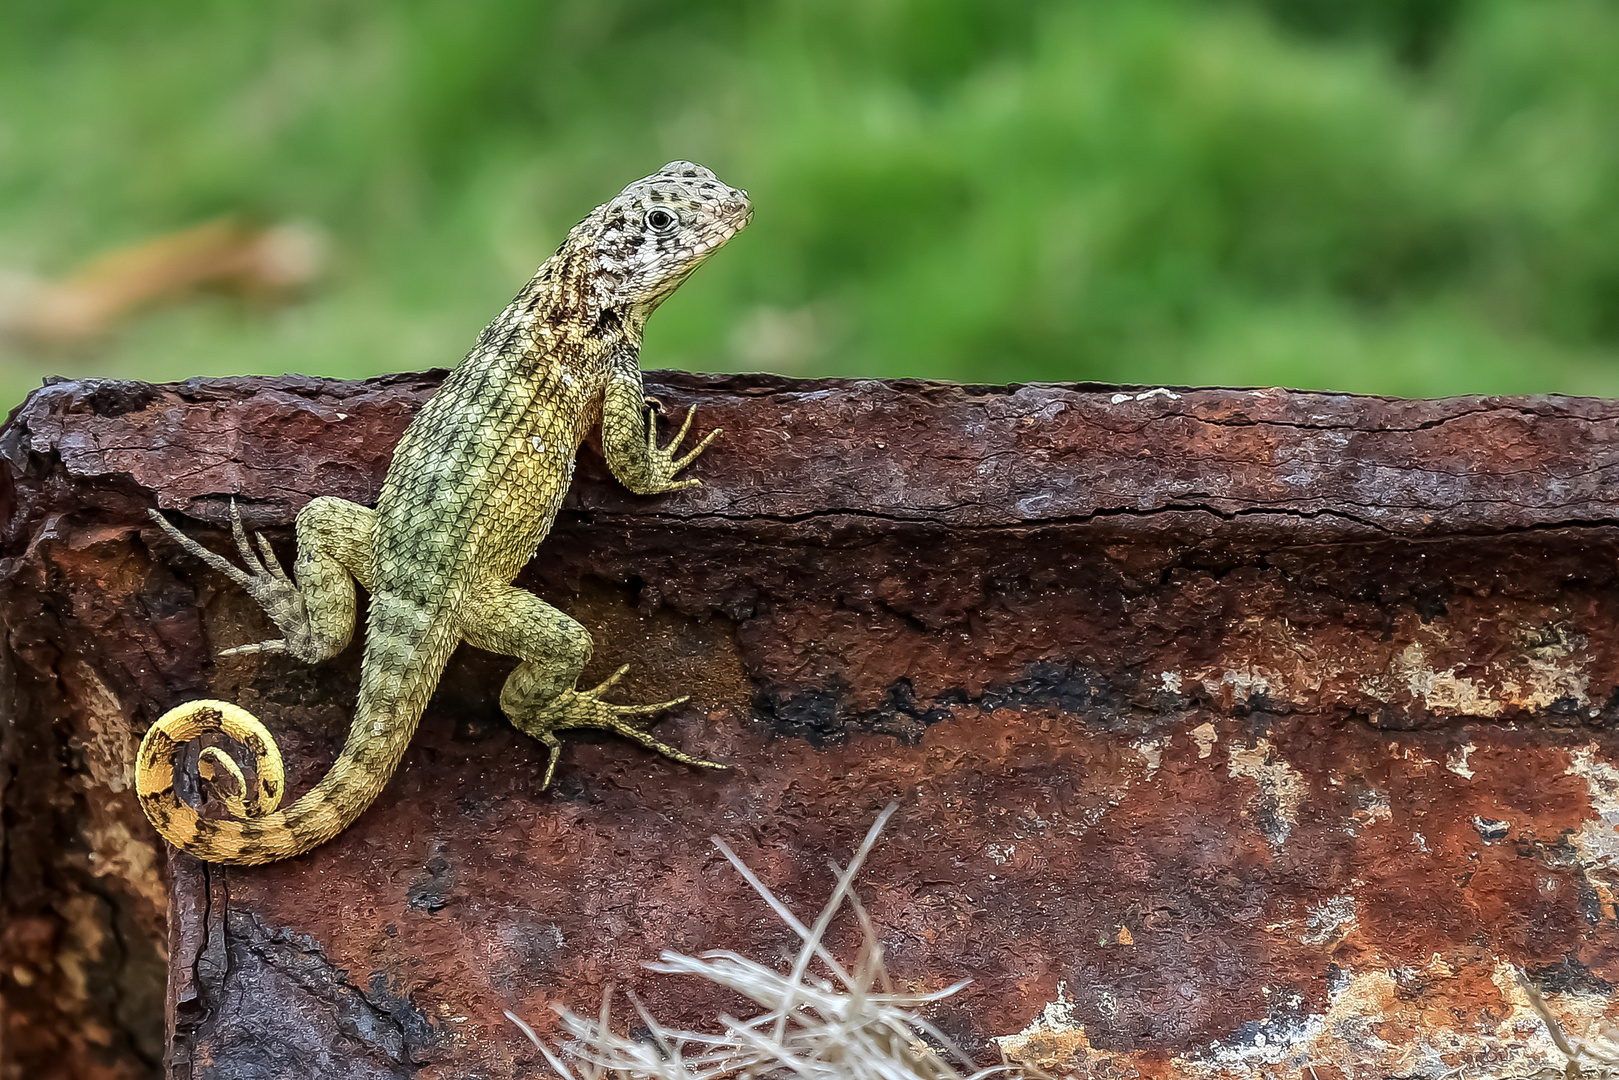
{"x": 472, "y": 491}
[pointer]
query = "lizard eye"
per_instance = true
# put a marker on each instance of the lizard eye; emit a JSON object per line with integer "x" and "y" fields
{"x": 660, "y": 220}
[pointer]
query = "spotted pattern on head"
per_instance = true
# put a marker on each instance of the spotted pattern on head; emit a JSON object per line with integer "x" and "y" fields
{"x": 640, "y": 245}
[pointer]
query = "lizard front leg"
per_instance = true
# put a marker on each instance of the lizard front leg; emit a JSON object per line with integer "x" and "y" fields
{"x": 314, "y": 609}
{"x": 539, "y": 696}
{"x": 630, "y": 436}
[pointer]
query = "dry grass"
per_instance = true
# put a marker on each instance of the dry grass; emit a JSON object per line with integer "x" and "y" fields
{"x": 824, "y": 1021}
{"x": 1601, "y": 1049}
{"x": 820, "y": 1021}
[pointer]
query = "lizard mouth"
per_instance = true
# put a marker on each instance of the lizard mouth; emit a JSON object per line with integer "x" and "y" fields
{"x": 723, "y": 232}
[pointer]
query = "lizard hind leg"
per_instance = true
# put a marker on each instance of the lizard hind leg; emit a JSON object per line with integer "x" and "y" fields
{"x": 314, "y": 608}
{"x": 539, "y": 696}
{"x": 155, "y": 761}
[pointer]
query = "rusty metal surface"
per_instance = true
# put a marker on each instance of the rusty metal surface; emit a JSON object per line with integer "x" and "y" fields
{"x": 1232, "y": 730}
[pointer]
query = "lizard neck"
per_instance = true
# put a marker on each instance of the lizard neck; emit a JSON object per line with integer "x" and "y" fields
{"x": 576, "y": 297}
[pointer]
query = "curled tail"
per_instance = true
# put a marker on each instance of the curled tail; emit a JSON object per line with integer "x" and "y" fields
{"x": 256, "y": 831}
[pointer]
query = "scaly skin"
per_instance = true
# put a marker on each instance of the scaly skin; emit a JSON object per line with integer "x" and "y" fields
{"x": 473, "y": 488}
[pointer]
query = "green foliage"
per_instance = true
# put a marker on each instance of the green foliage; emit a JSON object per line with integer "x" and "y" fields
{"x": 1413, "y": 197}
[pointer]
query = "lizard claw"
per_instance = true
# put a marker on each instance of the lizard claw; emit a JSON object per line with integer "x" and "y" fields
{"x": 264, "y": 580}
{"x": 595, "y": 693}
{"x": 680, "y": 436}
{"x": 279, "y": 645}
{"x": 662, "y": 458}
{"x": 607, "y": 683}
{"x": 251, "y": 560}
{"x": 698, "y": 449}
{"x": 585, "y": 708}
{"x": 223, "y": 565}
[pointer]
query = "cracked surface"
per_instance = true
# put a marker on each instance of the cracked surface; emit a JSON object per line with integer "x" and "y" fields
{"x": 1335, "y": 466}
{"x": 1194, "y": 703}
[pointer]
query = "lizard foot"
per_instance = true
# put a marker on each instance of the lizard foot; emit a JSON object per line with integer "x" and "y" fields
{"x": 264, "y": 581}
{"x": 585, "y": 708}
{"x": 662, "y": 459}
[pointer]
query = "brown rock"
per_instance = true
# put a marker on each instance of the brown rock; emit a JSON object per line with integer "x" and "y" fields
{"x": 1231, "y": 729}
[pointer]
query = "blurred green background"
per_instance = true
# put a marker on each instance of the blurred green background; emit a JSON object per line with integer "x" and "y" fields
{"x": 1413, "y": 198}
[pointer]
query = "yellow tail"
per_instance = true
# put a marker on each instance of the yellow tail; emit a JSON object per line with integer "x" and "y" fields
{"x": 256, "y": 832}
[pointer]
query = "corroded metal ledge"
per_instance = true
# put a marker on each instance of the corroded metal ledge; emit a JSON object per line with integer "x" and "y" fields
{"x": 1231, "y": 729}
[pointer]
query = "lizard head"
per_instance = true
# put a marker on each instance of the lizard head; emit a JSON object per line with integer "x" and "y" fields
{"x": 650, "y": 238}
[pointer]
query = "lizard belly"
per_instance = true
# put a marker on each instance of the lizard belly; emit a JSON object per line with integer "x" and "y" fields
{"x": 524, "y": 504}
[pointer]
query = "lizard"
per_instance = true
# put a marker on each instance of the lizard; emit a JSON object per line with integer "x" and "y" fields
{"x": 472, "y": 489}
